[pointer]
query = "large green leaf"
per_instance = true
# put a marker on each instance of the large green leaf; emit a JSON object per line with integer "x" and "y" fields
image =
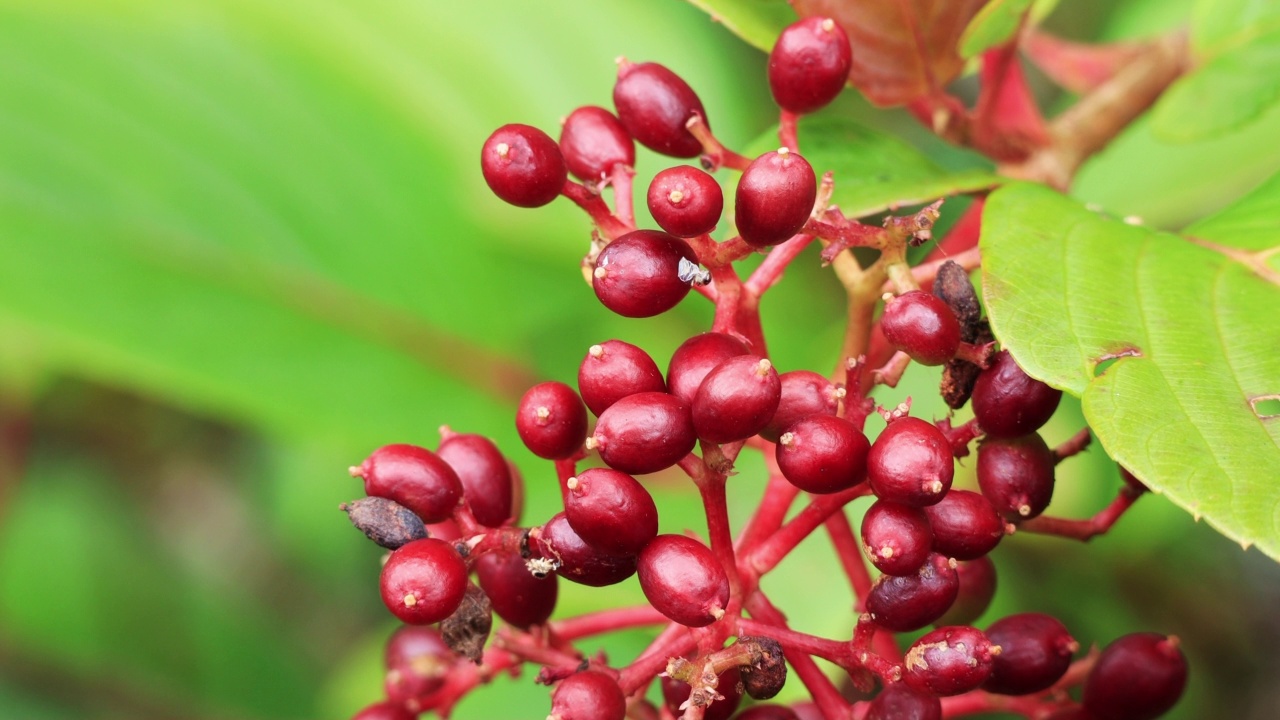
{"x": 1192, "y": 319}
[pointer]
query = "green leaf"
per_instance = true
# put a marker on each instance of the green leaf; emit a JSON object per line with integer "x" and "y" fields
{"x": 995, "y": 23}
{"x": 1192, "y": 320}
{"x": 1217, "y": 25}
{"x": 759, "y": 22}
{"x": 1225, "y": 93}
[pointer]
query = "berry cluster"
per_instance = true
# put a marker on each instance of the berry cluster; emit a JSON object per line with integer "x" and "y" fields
{"x": 451, "y": 517}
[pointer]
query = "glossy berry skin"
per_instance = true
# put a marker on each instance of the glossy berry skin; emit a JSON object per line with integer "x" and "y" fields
{"x": 385, "y": 711}
{"x": 696, "y": 357}
{"x": 611, "y": 511}
{"x": 1035, "y": 652}
{"x": 977, "y": 588}
{"x": 417, "y": 661}
{"x": 423, "y": 582}
{"x": 1016, "y": 475}
{"x": 1139, "y": 676}
{"x": 519, "y": 597}
{"x": 900, "y": 702}
{"x": 675, "y": 693}
{"x": 910, "y": 463}
{"x": 949, "y": 661}
{"x": 638, "y": 274}
{"x": 682, "y": 579}
{"x": 523, "y": 165}
{"x": 588, "y": 695}
{"x": 1008, "y": 403}
{"x": 965, "y": 525}
{"x": 897, "y": 538}
{"x": 613, "y": 370}
{"x": 578, "y": 562}
{"x": 774, "y": 198}
{"x": 414, "y": 477}
{"x": 767, "y": 711}
{"x": 593, "y": 141}
{"x": 922, "y": 326}
{"x": 804, "y": 393}
{"x": 909, "y": 602}
{"x": 654, "y": 104}
{"x": 644, "y": 433}
{"x": 736, "y": 399}
{"x": 551, "y": 420}
{"x": 487, "y": 484}
{"x": 685, "y": 201}
{"x": 823, "y": 454}
{"x": 809, "y": 64}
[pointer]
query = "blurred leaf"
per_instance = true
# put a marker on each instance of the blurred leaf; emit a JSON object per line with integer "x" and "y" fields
{"x": 1067, "y": 289}
{"x": 759, "y": 22}
{"x": 1218, "y": 25}
{"x": 995, "y": 23}
{"x": 1230, "y": 90}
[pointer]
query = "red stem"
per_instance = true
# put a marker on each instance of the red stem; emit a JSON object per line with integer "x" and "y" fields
{"x": 849, "y": 550}
{"x": 621, "y": 178}
{"x": 1083, "y": 530}
{"x": 787, "y": 130}
{"x": 770, "y": 271}
{"x": 771, "y": 552}
{"x": 779, "y": 494}
{"x": 609, "y": 224}
{"x": 606, "y": 621}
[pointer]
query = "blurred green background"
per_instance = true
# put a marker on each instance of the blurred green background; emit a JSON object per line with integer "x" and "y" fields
{"x": 243, "y": 243}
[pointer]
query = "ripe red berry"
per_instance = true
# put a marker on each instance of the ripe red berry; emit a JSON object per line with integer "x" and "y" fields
{"x": 574, "y": 559}
{"x": 682, "y": 579}
{"x": 423, "y": 582}
{"x": 517, "y": 595}
{"x": 387, "y": 710}
{"x": 685, "y": 201}
{"x": 1035, "y": 652}
{"x": 611, "y": 511}
{"x": 593, "y": 141}
{"x": 417, "y": 661}
{"x": 676, "y": 693}
{"x": 949, "y": 661}
{"x": 804, "y": 393}
{"x": 414, "y": 477}
{"x": 736, "y": 399}
{"x": 588, "y": 695}
{"x": 897, "y": 538}
{"x": 613, "y": 370}
{"x": 977, "y": 588}
{"x": 644, "y": 433}
{"x": 922, "y": 326}
{"x": 965, "y": 525}
{"x": 1016, "y": 475}
{"x": 809, "y": 64}
{"x": 767, "y": 711}
{"x": 911, "y": 463}
{"x": 487, "y": 484}
{"x": 551, "y": 420}
{"x": 1139, "y": 676}
{"x": 823, "y": 454}
{"x": 654, "y": 104}
{"x": 523, "y": 165}
{"x": 1007, "y": 402}
{"x": 909, "y": 602}
{"x": 900, "y": 702}
{"x": 774, "y": 198}
{"x": 638, "y": 274}
{"x": 696, "y": 357}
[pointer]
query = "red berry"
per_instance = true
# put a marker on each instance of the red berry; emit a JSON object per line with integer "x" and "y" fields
{"x": 638, "y": 274}
{"x": 1016, "y": 475}
{"x": 809, "y": 64}
{"x": 1007, "y": 402}
{"x": 418, "y": 662}
{"x": 486, "y": 478}
{"x": 675, "y": 693}
{"x": 804, "y": 393}
{"x": 922, "y": 326}
{"x": 588, "y": 695}
{"x": 654, "y": 104}
{"x": 774, "y": 198}
{"x": 685, "y": 201}
{"x": 574, "y": 559}
{"x": 414, "y": 477}
{"x": 385, "y": 711}
{"x": 593, "y": 142}
{"x": 949, "y": 661}
{"x": 644, "y": 433}
{"x": 977, "y": 588}
{"x": 911, "y": 463}
{"x": 551, "y": 420}
{"x": 423, "y": 582}
{"x": 909, "y": 602}
{"x": 517, "y": 595}
{"x": 823, "y": 454}
{"x": 611, "y": 511}
{"x": 736, "y": 399}
{"x": 613, "y": 370}
{"x": 767, "y": 711}
{"x": 682, "y": 579}
{"x": 965, "y": 525}
{"x": 523, "y": 165}
{"x": 1035, "y": 651}
{"x": 900, "y": 702}
{"x": 1138, "y": 677}
{"x": 696, "y": 357}
{"x": 897, "y": 537}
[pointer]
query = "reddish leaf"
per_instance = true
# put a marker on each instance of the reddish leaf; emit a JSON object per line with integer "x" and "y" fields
{"x": 1006, "y": 124}
{"x": 902, "y": 49}
{"x": 1078, "y": 67}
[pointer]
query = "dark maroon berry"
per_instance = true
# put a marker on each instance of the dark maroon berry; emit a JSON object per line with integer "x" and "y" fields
{"x": 774, "y": 198}
{"x": 949, "y": 661}
{"x": 386, "y": 522}
{"x": 765, "y": 677}
{"x": 588, "y": 695}
{"x": 654, "y": 104}
{"x": 517, "y": 595}
{"x": 418, "y": 662}
{"x": 767, "y": 711}
{"x": 644, "y": 433}
{"x": 696, "y": 357}
{"x": 414, "y": 477}
{"x": 559, "y": 548}
{"x": 423, "y": 582}
{"x": 897, "y": 537}
{"x": 466, "y": 630}
{"x": 736, "y": 399}
{"x": 965, "y": 525}
{"x": 922, "y": 326}
{"x": 682, "y": 579}
{"x": 1035, "y": 651}
{"x": 485, "y": 474}
{"x": 909, "y": 602}
{"x": 386, "y": 710}
{"x": 1008, "y": 402}
{"x": 551, "y": 420}
{"x": 523, "y": 165}
{"x": 910, "y": 463}
{"x": 899, "y": 702}
{"x": 593, "y": 142}
{"x": 613, "y": 370}
{"x": 1139, "y": 676}
{"x": 638, "y": 275}
{"x": 685, "y": 201}
{"x": 977, "y": 588}
{"x": 804, "y": 393}
{"x": 809, "y": 64}
{"x": 823, "y": 454}
{"x": 675, "y": 693}
{"x": 611, "y": 511}
{"x": 1016, "y": 475}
